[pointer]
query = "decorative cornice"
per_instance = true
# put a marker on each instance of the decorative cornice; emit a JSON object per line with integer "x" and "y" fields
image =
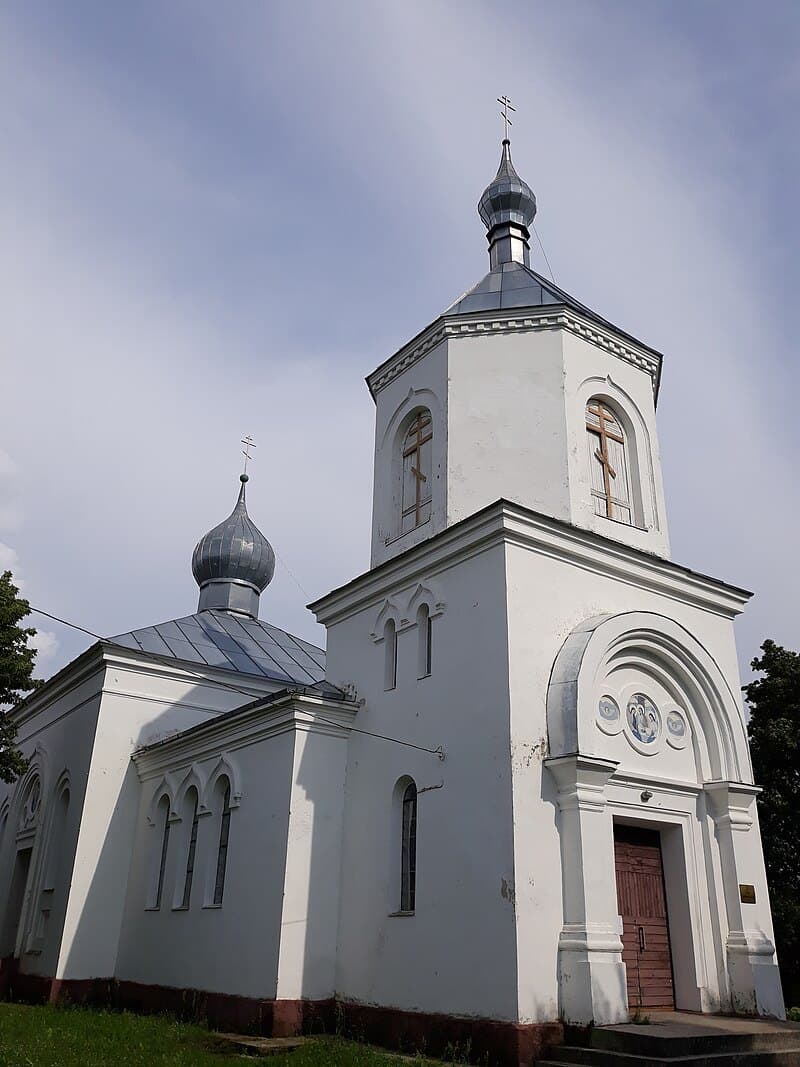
{"x": 554, "y": 316}
{"x": 296, "y": 712}
{"x": 504, "y": 522}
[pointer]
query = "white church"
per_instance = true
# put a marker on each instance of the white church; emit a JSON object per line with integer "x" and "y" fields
{"x": 514, "y": 791}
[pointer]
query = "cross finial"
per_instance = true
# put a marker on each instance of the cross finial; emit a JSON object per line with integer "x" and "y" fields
{"x": 248, "y": 443}
{"x": 506, "y": 108}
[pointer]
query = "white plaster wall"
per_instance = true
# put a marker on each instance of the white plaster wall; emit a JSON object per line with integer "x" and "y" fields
{"x": 141, "y": 703}
{"x": 234, "y": 948}
{"x": 422, "y": 385}
{"x": 506, "y": 423}
{"x": 310, "y": 916}
{"x": 548, "y": 598}
{"x": 457, "y": 952}
{"x": 59, "y": 737}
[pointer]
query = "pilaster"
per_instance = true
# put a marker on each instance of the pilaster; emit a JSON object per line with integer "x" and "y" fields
{"x": 592, "y": 977}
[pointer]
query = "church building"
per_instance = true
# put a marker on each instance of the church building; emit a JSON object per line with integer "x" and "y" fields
{"x": 514, "y": 791}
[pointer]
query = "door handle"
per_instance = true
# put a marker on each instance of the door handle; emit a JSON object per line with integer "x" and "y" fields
{"x": 642, "y": 940}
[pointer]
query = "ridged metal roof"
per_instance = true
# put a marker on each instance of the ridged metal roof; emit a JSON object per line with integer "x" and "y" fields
{"x": 220, "y": 639}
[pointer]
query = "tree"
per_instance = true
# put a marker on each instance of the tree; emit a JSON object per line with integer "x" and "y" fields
{"x": 774, "y": 731}
{"x": 17, "y": 659}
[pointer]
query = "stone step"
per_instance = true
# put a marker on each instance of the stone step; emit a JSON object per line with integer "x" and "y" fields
{"x": 254, "y": 1046}
{"x": 571, "y": 1055}
{"x": 669, "y": 1041}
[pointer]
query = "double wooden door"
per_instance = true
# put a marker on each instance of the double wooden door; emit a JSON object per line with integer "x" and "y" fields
{"x": 643, "y": 907}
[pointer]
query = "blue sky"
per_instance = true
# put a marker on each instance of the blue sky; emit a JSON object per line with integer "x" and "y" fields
{"x": 215, "y": 219}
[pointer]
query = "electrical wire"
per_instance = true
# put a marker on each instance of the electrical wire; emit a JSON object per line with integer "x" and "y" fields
{"x": 547, "y": 261}
{"x": 170, "y": 662}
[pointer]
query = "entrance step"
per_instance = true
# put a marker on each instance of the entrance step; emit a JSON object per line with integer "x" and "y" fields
{"x": 680, "y": 1039}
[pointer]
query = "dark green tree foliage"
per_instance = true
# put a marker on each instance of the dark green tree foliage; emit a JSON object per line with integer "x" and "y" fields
{"x": 17, "y": 658}
{"x": 774, "y": 731}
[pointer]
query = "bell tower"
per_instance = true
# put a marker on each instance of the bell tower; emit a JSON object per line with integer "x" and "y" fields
{"x": 517, "y": 391}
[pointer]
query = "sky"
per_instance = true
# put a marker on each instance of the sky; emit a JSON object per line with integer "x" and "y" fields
{"x": 216, "y": 219}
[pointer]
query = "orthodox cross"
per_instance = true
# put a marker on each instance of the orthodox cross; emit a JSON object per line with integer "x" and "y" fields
{"x": 420, "y": 431}
{"x": 506, "y": 108}
{"x": 248, "y": 443}
{"x": 607, "y": 430}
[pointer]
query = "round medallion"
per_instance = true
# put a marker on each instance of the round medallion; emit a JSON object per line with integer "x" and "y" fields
{"x": 677, "y": 729}
{"x": 644, "y": 721}
{"x": 609, "y": 718}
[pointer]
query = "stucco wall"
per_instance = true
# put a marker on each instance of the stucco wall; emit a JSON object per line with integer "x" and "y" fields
{"x": 435, "y": 960}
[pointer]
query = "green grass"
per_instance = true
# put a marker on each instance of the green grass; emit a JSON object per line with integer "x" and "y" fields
{"x": 72, "y": 1037}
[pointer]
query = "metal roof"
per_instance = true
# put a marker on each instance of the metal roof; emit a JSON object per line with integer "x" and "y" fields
{"x": 513, "y": 285}
{"x": 229, "y": 642}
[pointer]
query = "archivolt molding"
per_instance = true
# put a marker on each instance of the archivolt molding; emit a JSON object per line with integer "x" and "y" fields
{"x": 423, "y": 594}
{"x": 225, "y": 766}
{"x": 165, "y": 787}
{"x": 671, "y": 654}
{"x": 390, "y": 609}
{"x": 413, "y": 400}
{"x": 27, "y": 815}
{"x": 194, "y": 778}
{"x": 549, "y": 319}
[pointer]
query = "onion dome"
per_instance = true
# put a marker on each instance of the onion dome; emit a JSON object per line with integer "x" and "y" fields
{"x": 233, "y": 563}
{"x": 507, "y": 209}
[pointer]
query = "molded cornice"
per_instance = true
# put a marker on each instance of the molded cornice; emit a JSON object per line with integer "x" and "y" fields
{"x": 552, "y": 317}
{"x": 504, "y": 523}
{"x": 295, "y": 712}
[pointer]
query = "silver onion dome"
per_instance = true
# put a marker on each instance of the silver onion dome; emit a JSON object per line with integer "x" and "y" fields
{"x": 233, "y": 563}
{"x": 507, "y": 209}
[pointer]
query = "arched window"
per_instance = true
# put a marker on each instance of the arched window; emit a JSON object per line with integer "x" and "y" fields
{"x": 161, "y": 868}
{"x": 408, "y": 857}
{"x": 190, "y": 808}
{"x": 390, "y": 654}
{"x": 424, "y": 641}
{"x": 55, "y": 864}
{"x": 222, "y": 849}
{"x": 608, "y": 463}
{"x": 417, "y": 472}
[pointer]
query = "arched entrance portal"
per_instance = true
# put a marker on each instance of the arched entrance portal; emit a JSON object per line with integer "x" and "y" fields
{"x": 648, "y": 749}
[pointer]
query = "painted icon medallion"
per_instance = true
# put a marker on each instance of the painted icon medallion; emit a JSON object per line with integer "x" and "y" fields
{"x": 644, "y": 721}
{"x": 608, "y": 716}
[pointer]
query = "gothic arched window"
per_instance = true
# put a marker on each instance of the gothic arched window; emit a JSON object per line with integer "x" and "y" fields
{"x": 390, "y": 655}
{"x": 191, "y": 804}
{"x": 163, "y": 814}
{"x": 608, "y": 463}
{"x": 408, "y": 856}
{"x": 417, "y": 472}
{"x": 222, "y": 849}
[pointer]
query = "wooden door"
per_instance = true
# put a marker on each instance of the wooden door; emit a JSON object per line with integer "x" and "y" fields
{"x": 643, "y": 907}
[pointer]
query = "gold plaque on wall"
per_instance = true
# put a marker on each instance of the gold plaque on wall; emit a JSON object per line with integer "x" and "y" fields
{"x": 747, "y": 894}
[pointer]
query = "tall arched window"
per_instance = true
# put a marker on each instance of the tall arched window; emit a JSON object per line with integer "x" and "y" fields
{"x": 390, "y": 654}
{"x": 417, "y": 475}
{"x": 222, "y": 848}
{"x": 190, "y": 808}
{"x": 608, "y": 463}
{"x": 163, "y": 822}
{"x": 424, "y": 641}
{"x": 408, "y": 857}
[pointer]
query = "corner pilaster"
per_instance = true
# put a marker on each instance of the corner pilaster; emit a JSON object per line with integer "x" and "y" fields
{"x": 592, "y": 978}
{"x": 755, "y": 984}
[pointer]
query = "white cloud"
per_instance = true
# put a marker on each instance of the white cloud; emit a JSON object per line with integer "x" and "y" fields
{"x": 46, "y": 644}
{"x": 9, "y": 560}
{"x": 205, "y": 256}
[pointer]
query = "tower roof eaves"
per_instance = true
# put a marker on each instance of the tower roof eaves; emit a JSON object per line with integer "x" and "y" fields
{"x": 504, "y": 295}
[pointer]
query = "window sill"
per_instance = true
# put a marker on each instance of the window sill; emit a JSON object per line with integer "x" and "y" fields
{"x": 400, "y": 914}
{"x": 422, "y": 677}
{"x": 180, "y": 907}
{"x": 212, "y": 907}
{"x": 398, "y": 537}
{"x": 153, "y": 907}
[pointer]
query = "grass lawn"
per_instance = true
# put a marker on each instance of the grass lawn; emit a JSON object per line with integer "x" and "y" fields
{"x": 71, "y": 1037}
